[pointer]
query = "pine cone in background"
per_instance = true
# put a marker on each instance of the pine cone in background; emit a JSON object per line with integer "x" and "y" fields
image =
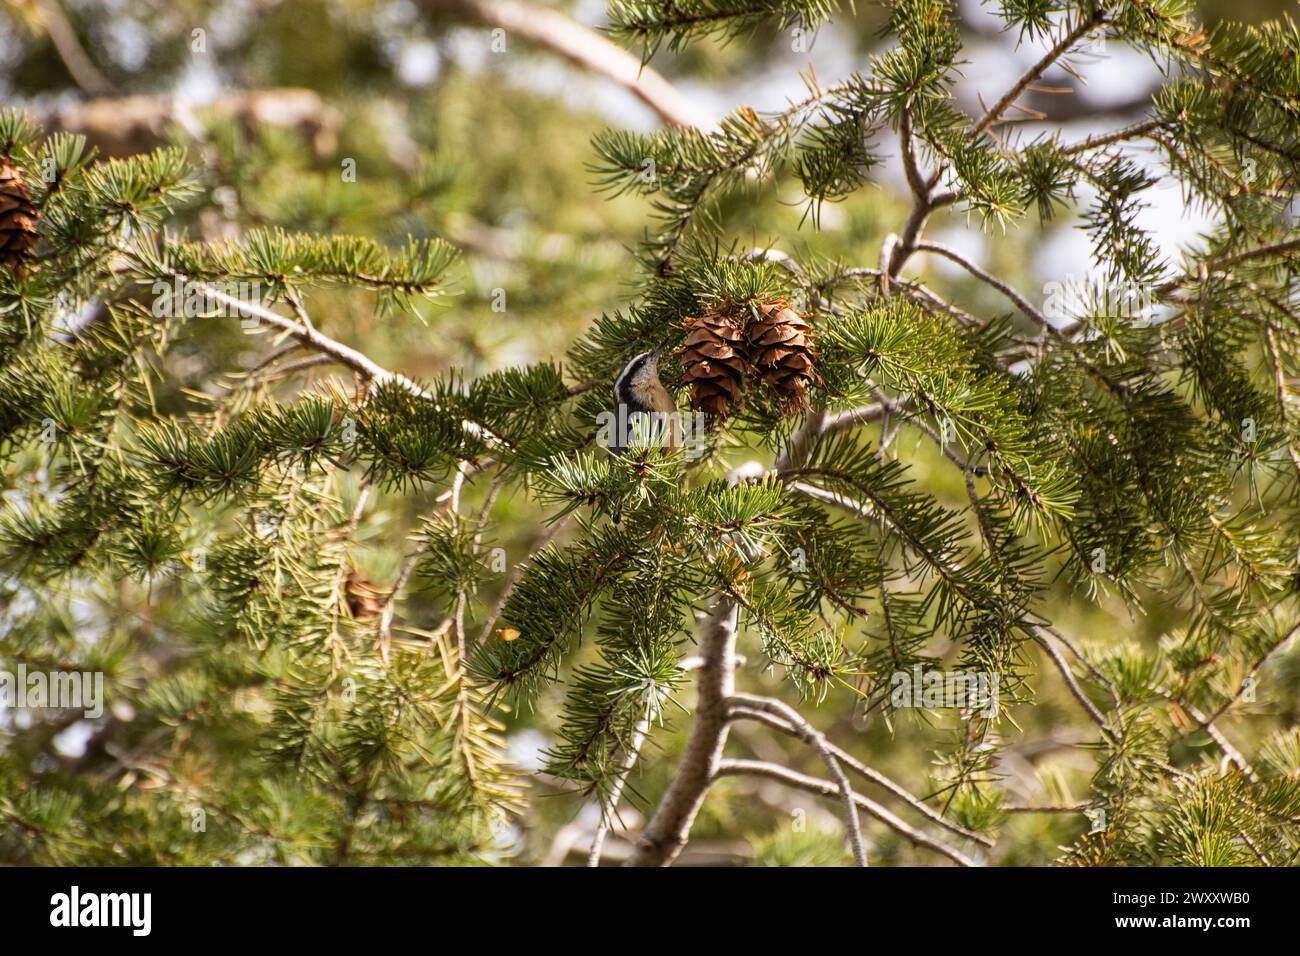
{"x": 713, "y": 363}
{"x": 362, "y": 596}
{"x": 17, "y": 219}
{"x": 780, "y": 351}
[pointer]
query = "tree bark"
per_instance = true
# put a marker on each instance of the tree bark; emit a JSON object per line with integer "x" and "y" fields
{"x": 666, "y": 833}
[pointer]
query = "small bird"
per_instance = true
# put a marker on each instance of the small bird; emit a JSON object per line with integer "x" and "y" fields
{"x": 637, "y": 390}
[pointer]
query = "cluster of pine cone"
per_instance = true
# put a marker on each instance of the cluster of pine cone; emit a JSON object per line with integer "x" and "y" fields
{"x": 767, "y": 340}
{"x": 18, "y": 215}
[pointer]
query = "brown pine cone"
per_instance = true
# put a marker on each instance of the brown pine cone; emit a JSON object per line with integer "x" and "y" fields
{"x": 780, "y": 348}
{"x": 18, "y": 218}
{"x": 362, "y": 596}
{"x": 713, "y": 363}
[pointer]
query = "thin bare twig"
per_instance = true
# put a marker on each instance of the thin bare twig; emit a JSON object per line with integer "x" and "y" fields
{"x": 607, "y": 812}
{"x": 1075, "y": 690}
{"x": 1021, "y": 302}
{"x": 1051, "y": 808}
{"x": 826, "y": 788}
{"x": 1227, "y": 262}
{"x": 817, "y": 741}
{"x": 1073, "y": 36}
{"x": 869, "y": 774}
{"x": 306, "y": 333}
{"x": 852, "y": 417}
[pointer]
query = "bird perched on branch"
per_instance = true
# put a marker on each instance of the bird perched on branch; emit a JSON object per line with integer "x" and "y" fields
{"x": 640, "y": 399}
{"x": 638, "y": 392}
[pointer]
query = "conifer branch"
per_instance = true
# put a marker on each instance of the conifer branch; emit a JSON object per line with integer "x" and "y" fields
{"x": 1279, "y": 248}
{"x": 1092, "y": 668}
{"x": 921, "y": 294}
{"x": 920, "y": 189}
{"x": 494, "y": 615}
{"x": 1063, "y": 46}
{"x": 910, "y": 234}
{"x": 1259, "y": 662}
{"x": 1102, "y": 140}
{"x": 1215, "y": 734}
{"x": 1220, "y": 265}
{"x": 1285, "y": 412}
{"x": 852, "y": 417}
{"x": 306, "y": 333}
{"x": 449, "y": 501}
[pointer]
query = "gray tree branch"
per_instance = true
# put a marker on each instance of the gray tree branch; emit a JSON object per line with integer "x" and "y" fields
{"x": 581, "y": 46}
{"x": 827, "y": 789}
{"x": 814, "y": 738}
{"x": 668, "y": 829}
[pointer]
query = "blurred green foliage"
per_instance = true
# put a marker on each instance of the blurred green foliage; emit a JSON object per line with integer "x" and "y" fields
{"x": 500, "y": 168}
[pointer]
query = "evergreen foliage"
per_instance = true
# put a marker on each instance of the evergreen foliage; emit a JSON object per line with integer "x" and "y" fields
{"x": 199, "y": 546}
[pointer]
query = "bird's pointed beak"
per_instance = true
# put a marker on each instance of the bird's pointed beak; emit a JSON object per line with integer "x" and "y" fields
{"x": 655, "y": 353}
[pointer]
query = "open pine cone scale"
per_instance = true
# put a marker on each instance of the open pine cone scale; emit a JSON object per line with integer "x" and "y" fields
{"x": 18, "y": 217}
